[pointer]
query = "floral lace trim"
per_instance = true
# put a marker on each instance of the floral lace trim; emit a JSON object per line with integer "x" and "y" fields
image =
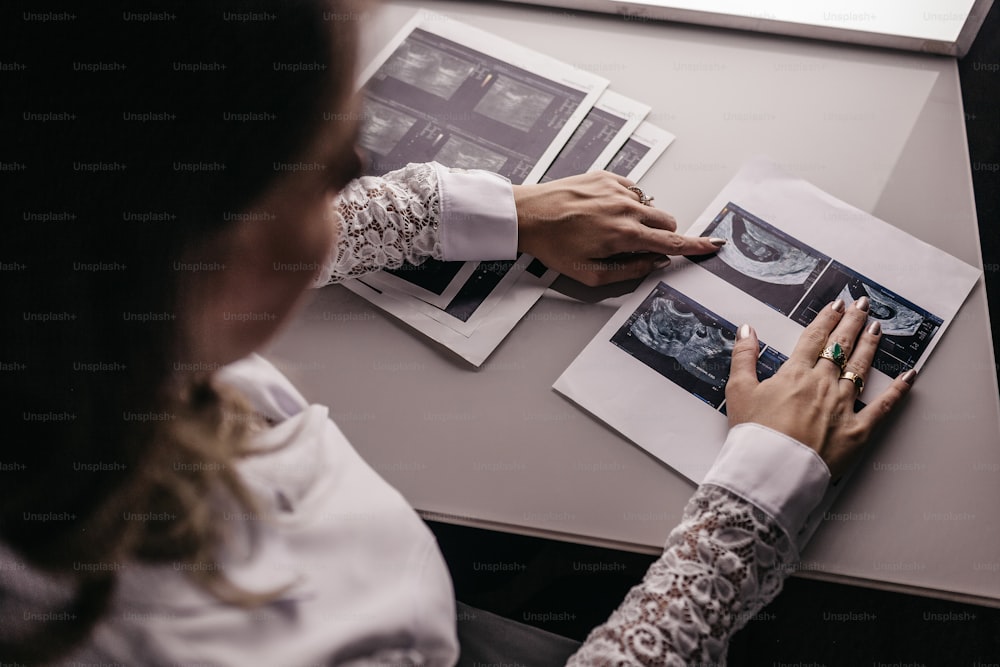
{"x": 384, "y": 222}
{"x": 722, "y": 564}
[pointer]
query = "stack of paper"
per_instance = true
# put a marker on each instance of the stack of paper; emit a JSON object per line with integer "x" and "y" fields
{"x": 447, "y": 92}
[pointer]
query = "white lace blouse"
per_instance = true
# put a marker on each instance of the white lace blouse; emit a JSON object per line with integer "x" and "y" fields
{"x": 368, "y": 585}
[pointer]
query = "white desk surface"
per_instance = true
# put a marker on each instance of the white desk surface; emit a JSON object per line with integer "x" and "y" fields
{"x": 497, "y": 448}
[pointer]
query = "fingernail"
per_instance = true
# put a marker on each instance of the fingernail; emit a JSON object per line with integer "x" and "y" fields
{"x": 909, "y": 376}
{"x": 717, "y": 242}
{"x": 661, "y": 263}
{"x": 744, "y": 332}
{"x": 862, "y": 304}
{"x": 838, "y": 305}
{"x": 875, "y": 328}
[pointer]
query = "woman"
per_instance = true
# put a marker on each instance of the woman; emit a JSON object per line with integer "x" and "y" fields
{"x": 169, "y": 499}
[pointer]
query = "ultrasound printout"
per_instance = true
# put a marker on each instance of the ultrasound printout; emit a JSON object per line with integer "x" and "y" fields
{"x": 670, "y": 341}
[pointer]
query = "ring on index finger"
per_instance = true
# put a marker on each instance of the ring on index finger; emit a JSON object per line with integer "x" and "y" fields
{"x": 834, "y": 353}
{"x": 643, "y": 199}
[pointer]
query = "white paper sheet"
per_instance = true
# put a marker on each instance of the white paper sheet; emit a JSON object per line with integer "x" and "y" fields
{"x": 677, "y": 327}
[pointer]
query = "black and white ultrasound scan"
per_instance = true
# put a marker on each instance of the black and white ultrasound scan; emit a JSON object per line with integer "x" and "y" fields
{"x": 761, "y": 260}
{"x": 682, "y": 341}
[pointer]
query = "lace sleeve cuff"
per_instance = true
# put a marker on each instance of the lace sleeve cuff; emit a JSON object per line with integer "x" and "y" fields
{"x": 776, "y": 473}
{"x": 417, "y": 212}
{"x": 478, "y": 218}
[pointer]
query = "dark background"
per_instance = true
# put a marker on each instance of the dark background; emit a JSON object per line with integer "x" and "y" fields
{"x": 546, "y": 576}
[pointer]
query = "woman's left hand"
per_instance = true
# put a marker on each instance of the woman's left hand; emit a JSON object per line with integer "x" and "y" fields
{"x": 594, "y": 229}
{"x": 809, "y": 398}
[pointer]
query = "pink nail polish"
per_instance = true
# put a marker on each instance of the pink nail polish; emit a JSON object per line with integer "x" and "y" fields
{"x": 838, "y": 305}
{"x": 909, "y": 376}
{"x": 744, "y": 332}
{"x": 875, "y": 328}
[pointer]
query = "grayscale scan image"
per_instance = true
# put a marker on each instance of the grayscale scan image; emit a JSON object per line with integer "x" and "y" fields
{"x": 429, "y": 69}
{"x": 589, "y": 140}
{"x": 672, "y": 330}
{"x": 462, "y": 154}
{"x": 682, "y": 341}
{"x": 756, "y": 253}
{"x": 895, "y": 318}
{"x": 626, "y": 159}
{"x": 514, "y": 104}
{"x": 758, "y": 258}
{"x": 383, "y": 127}
{"x": 470, "y": 109}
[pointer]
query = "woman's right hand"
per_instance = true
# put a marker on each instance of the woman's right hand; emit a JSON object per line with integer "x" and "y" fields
{"x": 807, "y": 398}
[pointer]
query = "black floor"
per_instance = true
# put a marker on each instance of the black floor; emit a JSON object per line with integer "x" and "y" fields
{"x": 569, "y": 589}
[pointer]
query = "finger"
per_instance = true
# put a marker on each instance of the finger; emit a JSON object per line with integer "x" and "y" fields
{"x": 860, "y": 361}
{"x": 850, "y": 325}
{"x": 814, "y": 338}
{"x": 884, "y": 403}
{"x": 657, "y": 219}
{"x": 619, "y": 268}
{"x": 743, "y": 365}
{"x": 625, "y": 182}
{"x": 668, "y": 243}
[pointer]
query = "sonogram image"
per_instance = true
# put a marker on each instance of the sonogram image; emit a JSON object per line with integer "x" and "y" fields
{"x": 761, "y": 255}
{"x": 383, "y": 127}
{"x": 513, "y": 103}
{"x": 681, "y": 340}
{"x": 895, "y": 318}
{"x": 670, "y": 329}
{"x": 427, "y": 68}
{"x": 758, "y": 258}
{"x": 459, "y": 153}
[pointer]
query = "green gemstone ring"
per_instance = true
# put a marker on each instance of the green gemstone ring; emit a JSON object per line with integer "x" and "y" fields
{"x": 834, "y": 353}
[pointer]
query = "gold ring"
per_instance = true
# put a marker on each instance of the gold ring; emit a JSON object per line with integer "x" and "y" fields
{"x": 834, "y": 353}
{"x": 859, "y": 382}
{"x": 643, "y": 199}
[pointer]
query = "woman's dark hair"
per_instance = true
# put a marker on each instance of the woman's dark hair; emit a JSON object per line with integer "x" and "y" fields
{"x": 131, "y": 135}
